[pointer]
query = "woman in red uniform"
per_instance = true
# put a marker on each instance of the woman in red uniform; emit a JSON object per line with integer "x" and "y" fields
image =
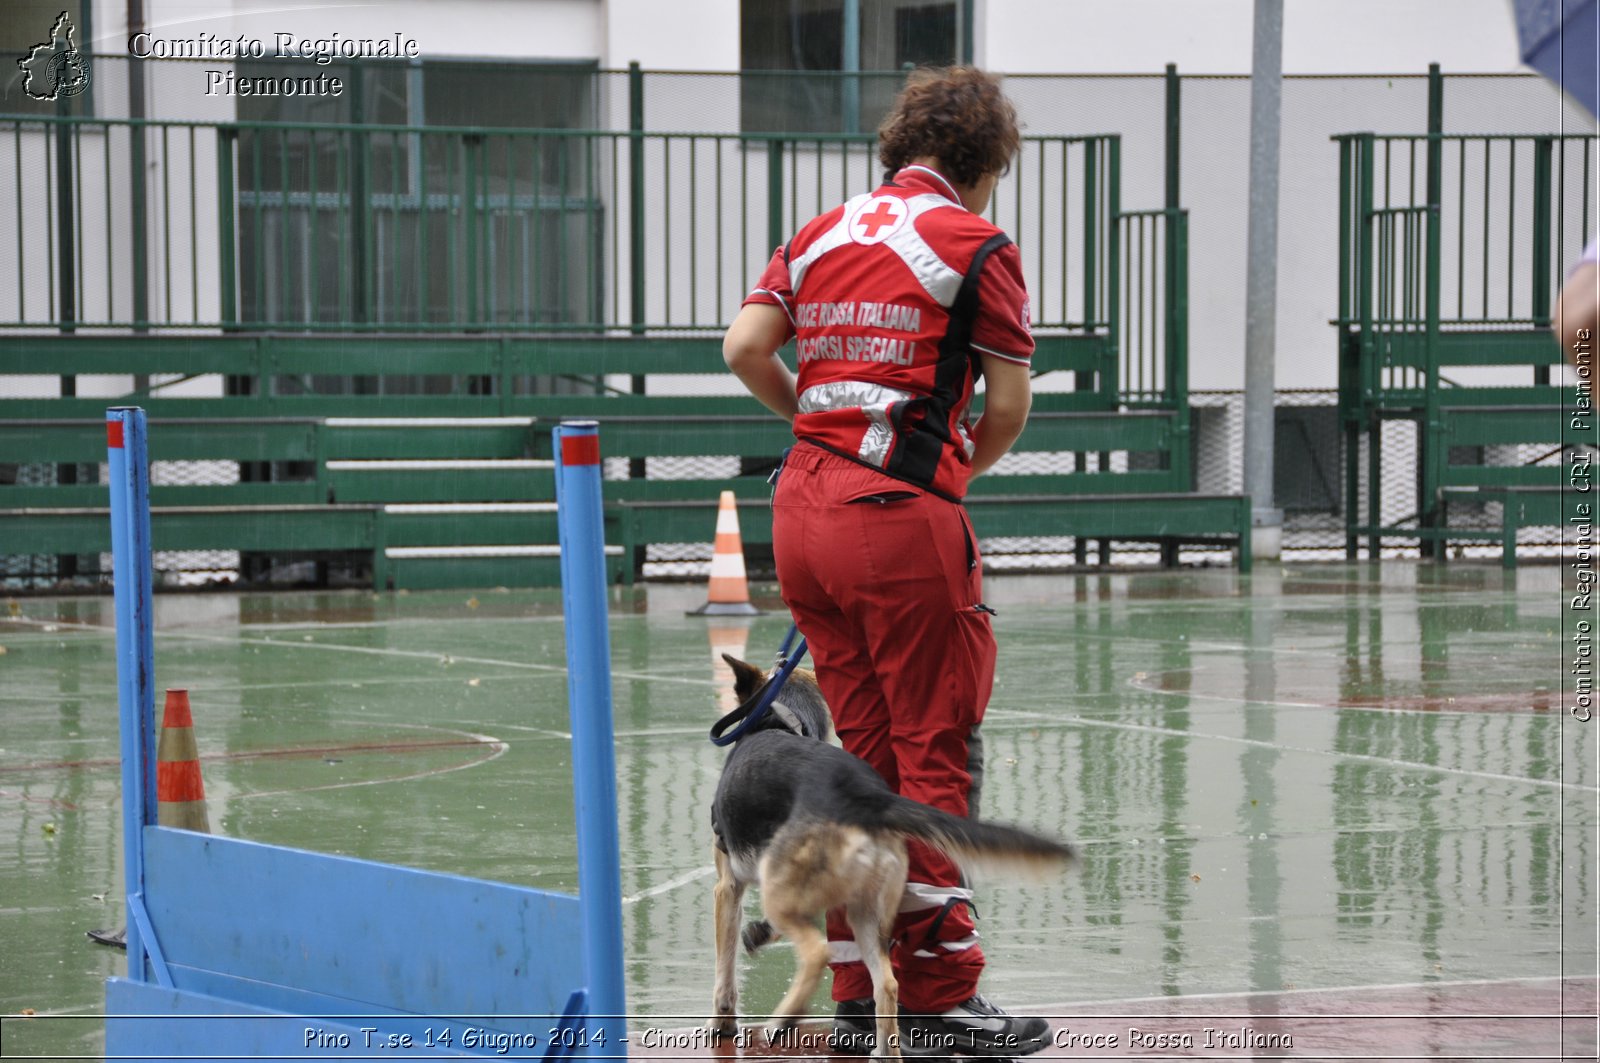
{"x": 899, "y": 301}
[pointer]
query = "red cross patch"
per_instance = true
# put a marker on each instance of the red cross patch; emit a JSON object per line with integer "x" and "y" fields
{"x": 874, "y": 222}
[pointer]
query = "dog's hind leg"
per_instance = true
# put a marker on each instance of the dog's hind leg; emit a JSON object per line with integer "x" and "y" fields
{"x": 871, "y": 919}
{"x": 811, "y": 955}
{"x": 727, "y": 896}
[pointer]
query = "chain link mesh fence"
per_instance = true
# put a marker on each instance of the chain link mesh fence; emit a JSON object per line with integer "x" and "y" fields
{"x": 1309, "y": 472}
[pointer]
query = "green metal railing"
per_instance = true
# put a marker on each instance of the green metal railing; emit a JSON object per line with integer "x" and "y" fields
{"x": 1472, "y": 265}
{"x": 1512, "y": 212}
{"x": 307, "y": 227}
{"x": 1153, "y": 298}
{"x": 1451, "y": 250}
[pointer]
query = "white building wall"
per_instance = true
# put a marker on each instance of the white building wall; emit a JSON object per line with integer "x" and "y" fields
{"x": 697, "y": 35}
{"x": 1214, "y": 36}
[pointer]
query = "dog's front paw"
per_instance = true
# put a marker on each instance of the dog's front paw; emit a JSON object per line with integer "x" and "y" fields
{"x": 722, "y": 1026}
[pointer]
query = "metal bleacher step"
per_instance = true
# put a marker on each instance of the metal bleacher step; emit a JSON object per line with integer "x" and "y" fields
{"x": 428, "y": 437}
{"x": 434, "y": 567}
{"x": 442, "y": 524}
{"x": 388, "y": 480}
{"x": 400, "y": 553}
{"x": 1501, "y": 425}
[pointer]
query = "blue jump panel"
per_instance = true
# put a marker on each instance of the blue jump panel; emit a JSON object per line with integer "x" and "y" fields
{"x": 238, "y": 949}
{"x": 258, "y": 930}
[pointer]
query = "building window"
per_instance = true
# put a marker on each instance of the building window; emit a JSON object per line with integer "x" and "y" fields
{"x": 435, "y": 224}
{"x": 834, "y": 66}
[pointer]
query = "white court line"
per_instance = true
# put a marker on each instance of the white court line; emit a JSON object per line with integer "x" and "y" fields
{"x": 1206, "y": 646}
{"x": 1141, "y": 684}
{"x": 360, "y": 625}
{"x": 1259, "y": 744}
{"x": 670, "y": 884}
{"x": 343, "y": 684}
{"x": 53, "y": 696}
{"x": 497, "y": 749}
{"x": 375, "y": 651}
{"x": 544, "y": 732}
{"x": 80, "y": 1011}
{"x": 662, "y": 732}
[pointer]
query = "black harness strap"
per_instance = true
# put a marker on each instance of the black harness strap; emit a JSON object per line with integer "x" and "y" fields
{"x": 916, "y": 453}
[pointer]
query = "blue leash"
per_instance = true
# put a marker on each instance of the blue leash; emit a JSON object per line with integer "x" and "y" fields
{"x": 750, "y": 715}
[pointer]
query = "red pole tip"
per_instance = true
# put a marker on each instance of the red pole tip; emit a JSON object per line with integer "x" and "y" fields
{"x": 580, "y": 450}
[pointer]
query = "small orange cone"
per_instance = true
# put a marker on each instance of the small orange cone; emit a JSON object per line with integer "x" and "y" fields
{"x": 729, "y": 593}
{"x": 180, "y": 793}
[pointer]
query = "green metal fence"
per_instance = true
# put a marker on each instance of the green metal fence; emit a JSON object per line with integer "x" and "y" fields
{"x": 323, "y": 270}
{"x": 291, "y": 226}
{"x": 1451, "y": 250}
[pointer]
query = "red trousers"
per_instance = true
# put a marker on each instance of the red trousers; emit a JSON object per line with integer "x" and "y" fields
{"x": 885, "y": 594}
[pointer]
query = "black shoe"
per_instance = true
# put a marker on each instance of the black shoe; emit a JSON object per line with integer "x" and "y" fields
{"x": 855, "y": 1031}
{"x": 974, "y": 1027}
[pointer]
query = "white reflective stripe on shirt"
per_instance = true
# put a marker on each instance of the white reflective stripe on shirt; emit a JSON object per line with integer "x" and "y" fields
{"x": 937, "y": 279}
{"x": 781, "y": 301}
{"x": 873, "y": 400}
{"x": 931, "y": 271}
{"x": 837, "y": 236}
{"x": 1017, "y": 358}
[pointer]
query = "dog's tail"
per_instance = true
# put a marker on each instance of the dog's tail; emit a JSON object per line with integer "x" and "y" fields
{"x": 972, "y": 843}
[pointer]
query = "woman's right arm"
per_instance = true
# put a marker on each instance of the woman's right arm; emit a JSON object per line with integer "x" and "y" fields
{"x": 751, "y": 350}
{"x": 1007, "y": 397}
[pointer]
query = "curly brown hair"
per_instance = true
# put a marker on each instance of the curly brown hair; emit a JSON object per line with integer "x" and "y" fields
{"x": 957, "y": 115}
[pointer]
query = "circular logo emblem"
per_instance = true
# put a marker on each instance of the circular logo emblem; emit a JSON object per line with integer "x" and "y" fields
{"x": 877, "y": 219}
{"x": 68, "y": 74}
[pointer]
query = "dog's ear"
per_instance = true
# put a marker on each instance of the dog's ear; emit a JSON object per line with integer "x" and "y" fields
{"x": 747, "y": 678}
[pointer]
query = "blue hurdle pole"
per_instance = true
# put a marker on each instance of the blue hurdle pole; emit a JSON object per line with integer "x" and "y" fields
{"x": 580, "y": 518}
{"x": 130, "y": 555}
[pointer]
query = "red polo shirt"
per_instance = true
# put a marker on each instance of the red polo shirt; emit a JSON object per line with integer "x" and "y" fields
{"x": 891, "y": 298}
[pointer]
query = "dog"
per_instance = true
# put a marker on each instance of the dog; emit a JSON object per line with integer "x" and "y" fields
{"x": 816, "y": 828}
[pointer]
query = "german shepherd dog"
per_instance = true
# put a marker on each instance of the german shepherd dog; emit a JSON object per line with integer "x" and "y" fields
{"x": 816, "y": 828}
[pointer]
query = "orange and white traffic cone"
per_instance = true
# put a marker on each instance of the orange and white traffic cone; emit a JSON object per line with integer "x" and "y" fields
{"x": 729, "y": 592}
{"x": 180, "y": 793}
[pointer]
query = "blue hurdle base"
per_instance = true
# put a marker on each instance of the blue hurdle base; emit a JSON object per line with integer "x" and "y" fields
{"x": 243, "y": 950}
{"x": 255, "y": 938}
